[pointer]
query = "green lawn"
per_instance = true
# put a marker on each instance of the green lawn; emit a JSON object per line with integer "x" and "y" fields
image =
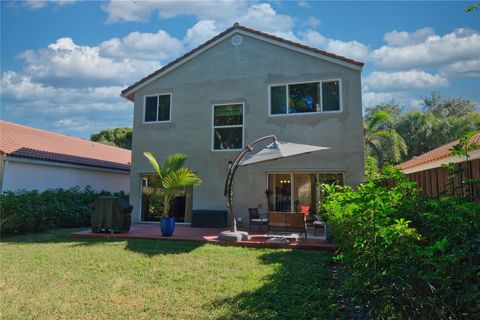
{"x": 51, "y": 276}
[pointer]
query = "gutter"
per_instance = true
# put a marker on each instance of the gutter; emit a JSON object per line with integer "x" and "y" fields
{"x": 55, "y": 164}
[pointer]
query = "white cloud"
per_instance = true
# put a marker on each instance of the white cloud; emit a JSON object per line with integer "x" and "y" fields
{"x": 142, "y": 46}
{"x": 312, "y": 22}
{"x": 349, "y": 49}
{"x": 202, "y": 31}
{"x": 403, "y": 80}
{"x": 371, "y": 99}
{"x": 258, "y": 16}
{"x": 73, "y": 124}
{"x": 263, "y": 17}
{"x": 70, "y": 110}
{"x": 402, "y": 38}
{"x": 304, "y": 4}
{"x": 23, "y": 88}
{"x": 469, "y": 68}
{"x": 434, "y": 51}
{"x": 39, "y": 4}
{"x": 70, "y": 64}
{"x": 223, "y": 13}
{"x": 404, "y": 98}
{"x": 204, "y": 10}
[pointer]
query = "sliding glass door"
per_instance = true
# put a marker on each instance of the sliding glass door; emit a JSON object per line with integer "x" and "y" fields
{"x": 279, "y": 192}
{"x": 297, "y": 191}
{"x": 304, "y": 191}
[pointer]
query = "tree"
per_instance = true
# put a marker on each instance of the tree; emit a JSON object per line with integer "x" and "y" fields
{"x": 422, "y": 132}
{"x": 382, "y": 140}
{"x": 448, "y": 106}
{"x": 471, "y": 8}
{"x": 174, "y": 178}
{"x": 393, "y": 108}
{"x": 119, "y": 137}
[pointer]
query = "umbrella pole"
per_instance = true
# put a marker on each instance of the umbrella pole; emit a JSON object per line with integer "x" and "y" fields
{"x": 234, "y": 234}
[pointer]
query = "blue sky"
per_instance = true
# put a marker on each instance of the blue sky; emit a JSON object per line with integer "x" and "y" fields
{"x": 64, "y": 63}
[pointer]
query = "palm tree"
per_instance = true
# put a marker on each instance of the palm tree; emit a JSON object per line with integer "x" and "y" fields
{"x": 173, "y": 177}
{"x": 382, "y": 140}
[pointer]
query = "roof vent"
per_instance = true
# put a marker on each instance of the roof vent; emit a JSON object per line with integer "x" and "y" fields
{"x": 237, "y": 40}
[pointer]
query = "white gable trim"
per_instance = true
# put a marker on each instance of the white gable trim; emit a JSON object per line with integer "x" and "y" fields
{"x": 247, "y": 33}
{"x": 301, "y": 50}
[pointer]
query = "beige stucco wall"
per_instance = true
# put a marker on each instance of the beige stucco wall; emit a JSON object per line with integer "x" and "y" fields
{"x": 225, "y": 74}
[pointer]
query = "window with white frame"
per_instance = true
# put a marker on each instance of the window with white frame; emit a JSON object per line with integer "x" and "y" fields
{"x": 308, "y": 97}
{"x": 227, "y": 127}
{"x": 157, "y": 108}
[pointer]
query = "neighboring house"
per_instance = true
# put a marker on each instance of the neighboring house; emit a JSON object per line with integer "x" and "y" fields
{"x": 432, "y": 179}
{"x": 241, "y": 85}
{"x": 36, "y": 159}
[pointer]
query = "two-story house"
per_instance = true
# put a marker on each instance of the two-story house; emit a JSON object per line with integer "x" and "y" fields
{"x": 236, "y": 87}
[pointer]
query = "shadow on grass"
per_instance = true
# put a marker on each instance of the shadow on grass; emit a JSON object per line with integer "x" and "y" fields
{"x": 147, "y": 247}
{"x": 301, "y": 287}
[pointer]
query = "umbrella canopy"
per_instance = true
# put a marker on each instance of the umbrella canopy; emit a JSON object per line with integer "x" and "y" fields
{"x": 279, "y": 149}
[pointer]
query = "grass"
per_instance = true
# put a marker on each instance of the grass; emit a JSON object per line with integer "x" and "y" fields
{"x": 52, "y": 276}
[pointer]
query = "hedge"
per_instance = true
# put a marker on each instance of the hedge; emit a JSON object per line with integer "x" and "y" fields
{"x": 405, "y": 256}
{"x": 32, "y": 211}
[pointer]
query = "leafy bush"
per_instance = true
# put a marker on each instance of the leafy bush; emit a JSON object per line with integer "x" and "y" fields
{"x": 32, "y": 211}
{"x": 406, "y": 256}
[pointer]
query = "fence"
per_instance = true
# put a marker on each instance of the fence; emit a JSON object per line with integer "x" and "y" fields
{"x": 436, "y": 181}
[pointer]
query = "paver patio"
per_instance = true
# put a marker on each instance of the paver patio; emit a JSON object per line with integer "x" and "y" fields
{"x": 183, "y": 232}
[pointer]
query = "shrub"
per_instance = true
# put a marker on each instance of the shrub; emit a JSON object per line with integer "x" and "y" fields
{"x": 32, "y": 211}
{"x": 406, "y": 256}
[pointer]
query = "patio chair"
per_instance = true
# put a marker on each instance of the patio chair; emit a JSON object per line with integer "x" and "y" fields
{"x": 255, "y": 218}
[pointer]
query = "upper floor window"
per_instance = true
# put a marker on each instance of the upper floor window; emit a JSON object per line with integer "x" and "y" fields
{"x": 157, "y": 108}
{"x": 320, "y": 96}
{"x": 228, "y": 127}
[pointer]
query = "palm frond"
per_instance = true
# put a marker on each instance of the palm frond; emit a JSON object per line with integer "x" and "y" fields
{"x": 173, "y": 162}
{"x": 383, "y": 134}
{"x": 379, "y": 118}
{"x": 153, "y": 161}
{"x": 178, "y": 179}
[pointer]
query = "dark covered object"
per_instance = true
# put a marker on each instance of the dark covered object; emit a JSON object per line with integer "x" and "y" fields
{"x": 209, "y": 219}
{"x": 111, "y": 214}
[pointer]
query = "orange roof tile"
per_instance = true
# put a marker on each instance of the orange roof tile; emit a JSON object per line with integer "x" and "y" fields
{"x": 26, "y": 142}
{"x": 439, "y": 153}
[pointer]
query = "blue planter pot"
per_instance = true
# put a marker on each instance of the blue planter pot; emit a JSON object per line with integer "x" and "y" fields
{"x": 167, "y": 226}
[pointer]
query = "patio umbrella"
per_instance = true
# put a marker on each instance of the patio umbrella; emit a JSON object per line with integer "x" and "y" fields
{"x": 273, "y": 151}
{"x": 279, "y": 149}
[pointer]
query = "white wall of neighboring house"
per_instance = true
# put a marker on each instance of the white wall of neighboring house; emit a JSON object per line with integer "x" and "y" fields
{"x": 27, "y": 174}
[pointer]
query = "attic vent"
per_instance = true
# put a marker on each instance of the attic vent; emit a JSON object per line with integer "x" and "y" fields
{"x": 237, "y": 40}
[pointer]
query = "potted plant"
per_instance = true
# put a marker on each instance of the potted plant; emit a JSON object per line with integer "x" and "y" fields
{"x": 173, "y": 178}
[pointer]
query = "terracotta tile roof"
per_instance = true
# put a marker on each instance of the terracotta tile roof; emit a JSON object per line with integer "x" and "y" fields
{"x": 439, "y": 153}
{"x": 253, "y": 31}
{"x": 26, "y": 142}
